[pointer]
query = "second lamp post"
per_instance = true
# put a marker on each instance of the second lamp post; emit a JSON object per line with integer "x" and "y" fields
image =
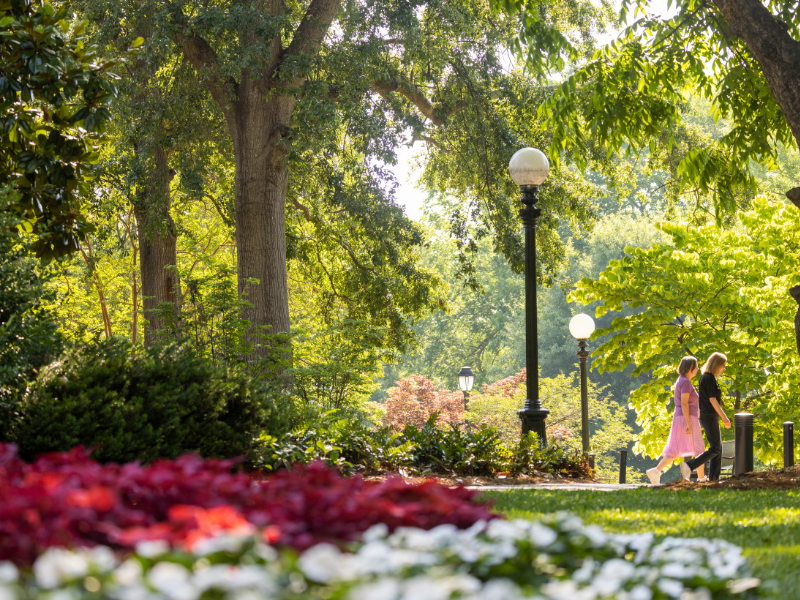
{"x": 465, "y": 380}
{"x": 581, "y": 327}
{"x": 529, "y": 168}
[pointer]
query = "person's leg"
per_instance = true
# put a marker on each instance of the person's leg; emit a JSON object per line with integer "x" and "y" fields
{"x": 711, "y": 427}
{"x": 701, "y": 471}
{"x": 664, "y": 463}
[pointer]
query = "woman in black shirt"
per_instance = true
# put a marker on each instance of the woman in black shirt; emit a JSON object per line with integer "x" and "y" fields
{"x": 710, "y": 403}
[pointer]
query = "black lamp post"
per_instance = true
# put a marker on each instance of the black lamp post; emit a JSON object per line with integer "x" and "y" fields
{"x": 581, "y": 327}
{"x": 529, "y": 168}
{"x": 465, "y": 380}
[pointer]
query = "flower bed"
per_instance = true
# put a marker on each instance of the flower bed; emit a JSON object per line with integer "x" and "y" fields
{"x": 499, "y": 560}
{"x": 67, "y": 499}
{"x": 193, "y": 529}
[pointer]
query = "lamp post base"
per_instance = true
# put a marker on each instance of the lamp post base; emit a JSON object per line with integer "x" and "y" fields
{"x": 533, "y": 420}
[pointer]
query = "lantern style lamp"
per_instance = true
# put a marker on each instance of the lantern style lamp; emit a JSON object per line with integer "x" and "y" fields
{"x": 581, "y": 327}
{"x": 465, "y": 380}
{"x": 529, "y": 168}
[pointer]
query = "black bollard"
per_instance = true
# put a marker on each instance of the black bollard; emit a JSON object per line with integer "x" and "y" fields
{"x": 591, "y": 461}
{"x": 743, "y": 459}
{"x": 788, "y": 444}
{"x": 623, "y": 463}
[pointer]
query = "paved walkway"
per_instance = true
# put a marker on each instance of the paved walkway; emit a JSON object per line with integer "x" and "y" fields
{"x": 600, "y": 487}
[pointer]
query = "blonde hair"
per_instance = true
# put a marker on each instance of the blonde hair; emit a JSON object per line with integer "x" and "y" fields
{"x": 714, "y": 362}
{"x": 687, "y": 364}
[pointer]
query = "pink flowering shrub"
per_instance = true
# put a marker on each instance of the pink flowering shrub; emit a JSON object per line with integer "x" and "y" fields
{"x": 68, "y": 499}
{"x": 415, "y": 398}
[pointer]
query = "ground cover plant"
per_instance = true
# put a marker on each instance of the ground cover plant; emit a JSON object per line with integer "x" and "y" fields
{"x": 193, "y": 528}
{"x": 452, "y": 449}
{"x": 764, "y": 523}
{"x": 67, "y": 499}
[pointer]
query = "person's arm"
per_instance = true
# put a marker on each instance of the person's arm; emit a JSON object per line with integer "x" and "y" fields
{"x": 685, "y": 408}
{"x": 725, "y": 420}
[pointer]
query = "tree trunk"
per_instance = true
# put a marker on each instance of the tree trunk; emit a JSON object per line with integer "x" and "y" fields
{"x": 256, "y": 127}
{"x": 777, "y": 53}
{"x": 158, "y": 253}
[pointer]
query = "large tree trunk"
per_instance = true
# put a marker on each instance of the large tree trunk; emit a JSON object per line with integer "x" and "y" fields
{"x": 158, "y": 253}
{"x": 261, "y": 178}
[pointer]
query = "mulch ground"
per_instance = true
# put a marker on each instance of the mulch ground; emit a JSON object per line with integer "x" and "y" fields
{"x": 450, "y": 480}
{"x": 779, "y": 479}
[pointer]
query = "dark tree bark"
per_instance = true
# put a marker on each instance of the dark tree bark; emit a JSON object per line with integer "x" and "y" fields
{"x": 157, "y": 251}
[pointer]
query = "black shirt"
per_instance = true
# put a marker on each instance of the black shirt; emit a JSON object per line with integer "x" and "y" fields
{"x": 708, "y": 388}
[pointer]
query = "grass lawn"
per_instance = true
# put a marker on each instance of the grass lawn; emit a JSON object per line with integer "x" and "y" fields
{"x": 765, "y": 523}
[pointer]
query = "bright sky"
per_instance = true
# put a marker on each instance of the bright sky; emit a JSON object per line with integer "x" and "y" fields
{"x": 409, "y": 196}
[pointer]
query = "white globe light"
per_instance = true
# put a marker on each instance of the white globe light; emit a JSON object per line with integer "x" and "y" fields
{"x": 581, "y": 326}
{"x": 528, "y": 166}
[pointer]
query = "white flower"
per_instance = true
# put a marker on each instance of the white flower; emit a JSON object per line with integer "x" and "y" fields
{"x": 56, "y": 566}
{"x": 541, "y": 535}
{"x": 321, "y": 563}
{"x": 641, "y": 592}
{"x": 7, "y": 593}
{"x": 229, "y": 577}
{"x": 8, "y": 572}
{"x": 128, "y": 572}
{"x": 172, "y": 580}
{"x": 500, "y": 589}
{"x": 597, "y": 537}
{"x": 585, "y": 572}
{"x": 428, "y": 588}
{"x": 265, "y": 552}
{"x": 678, "y": 571}
{"x": 618, "y": 569}
{"x": 152, "y": 548}
{"x": 383, "y": 589}
{"x": 101, "y": 557}
{"x": 508, "y": 530}
{"x": 132, "y": 592}
{"x": 568, "y": 522}
{"x": 222, "y": 543}
{"x": 378, "y": 531}
{"x": 670, "y": 587}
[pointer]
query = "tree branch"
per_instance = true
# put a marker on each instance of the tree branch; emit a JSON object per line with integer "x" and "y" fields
{"x": 203, "y": 58}
{"x": 412, "y": 93}
{"x": 307, "y": 39}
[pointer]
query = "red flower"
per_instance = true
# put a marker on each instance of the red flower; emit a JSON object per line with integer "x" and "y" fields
{"x": 67, "y": 499}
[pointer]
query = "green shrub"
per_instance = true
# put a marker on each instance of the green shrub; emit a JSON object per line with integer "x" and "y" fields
{"x": 454, "y": 449}
{"x": 29, "y": 335}
{"x": 159, "y": 403}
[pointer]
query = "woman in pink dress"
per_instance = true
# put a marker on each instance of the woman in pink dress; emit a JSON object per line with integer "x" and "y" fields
{"x": 685, "y": 435}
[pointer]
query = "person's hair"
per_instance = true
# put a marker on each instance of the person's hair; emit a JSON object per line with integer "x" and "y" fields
{"x": 714, "y": 362}
{"x": 687, "y": 364}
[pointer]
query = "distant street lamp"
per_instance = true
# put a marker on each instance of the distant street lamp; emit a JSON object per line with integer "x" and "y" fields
{"x": 465, "y": 380}
{"x": 581, "y": 327}
{"x": 529, "y": 168}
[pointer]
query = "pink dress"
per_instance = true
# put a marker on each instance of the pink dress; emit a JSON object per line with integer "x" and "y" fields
{"x": 679, "y": 443}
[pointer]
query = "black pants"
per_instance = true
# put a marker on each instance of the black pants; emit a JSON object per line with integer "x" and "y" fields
{"x": 710, "y": 425}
